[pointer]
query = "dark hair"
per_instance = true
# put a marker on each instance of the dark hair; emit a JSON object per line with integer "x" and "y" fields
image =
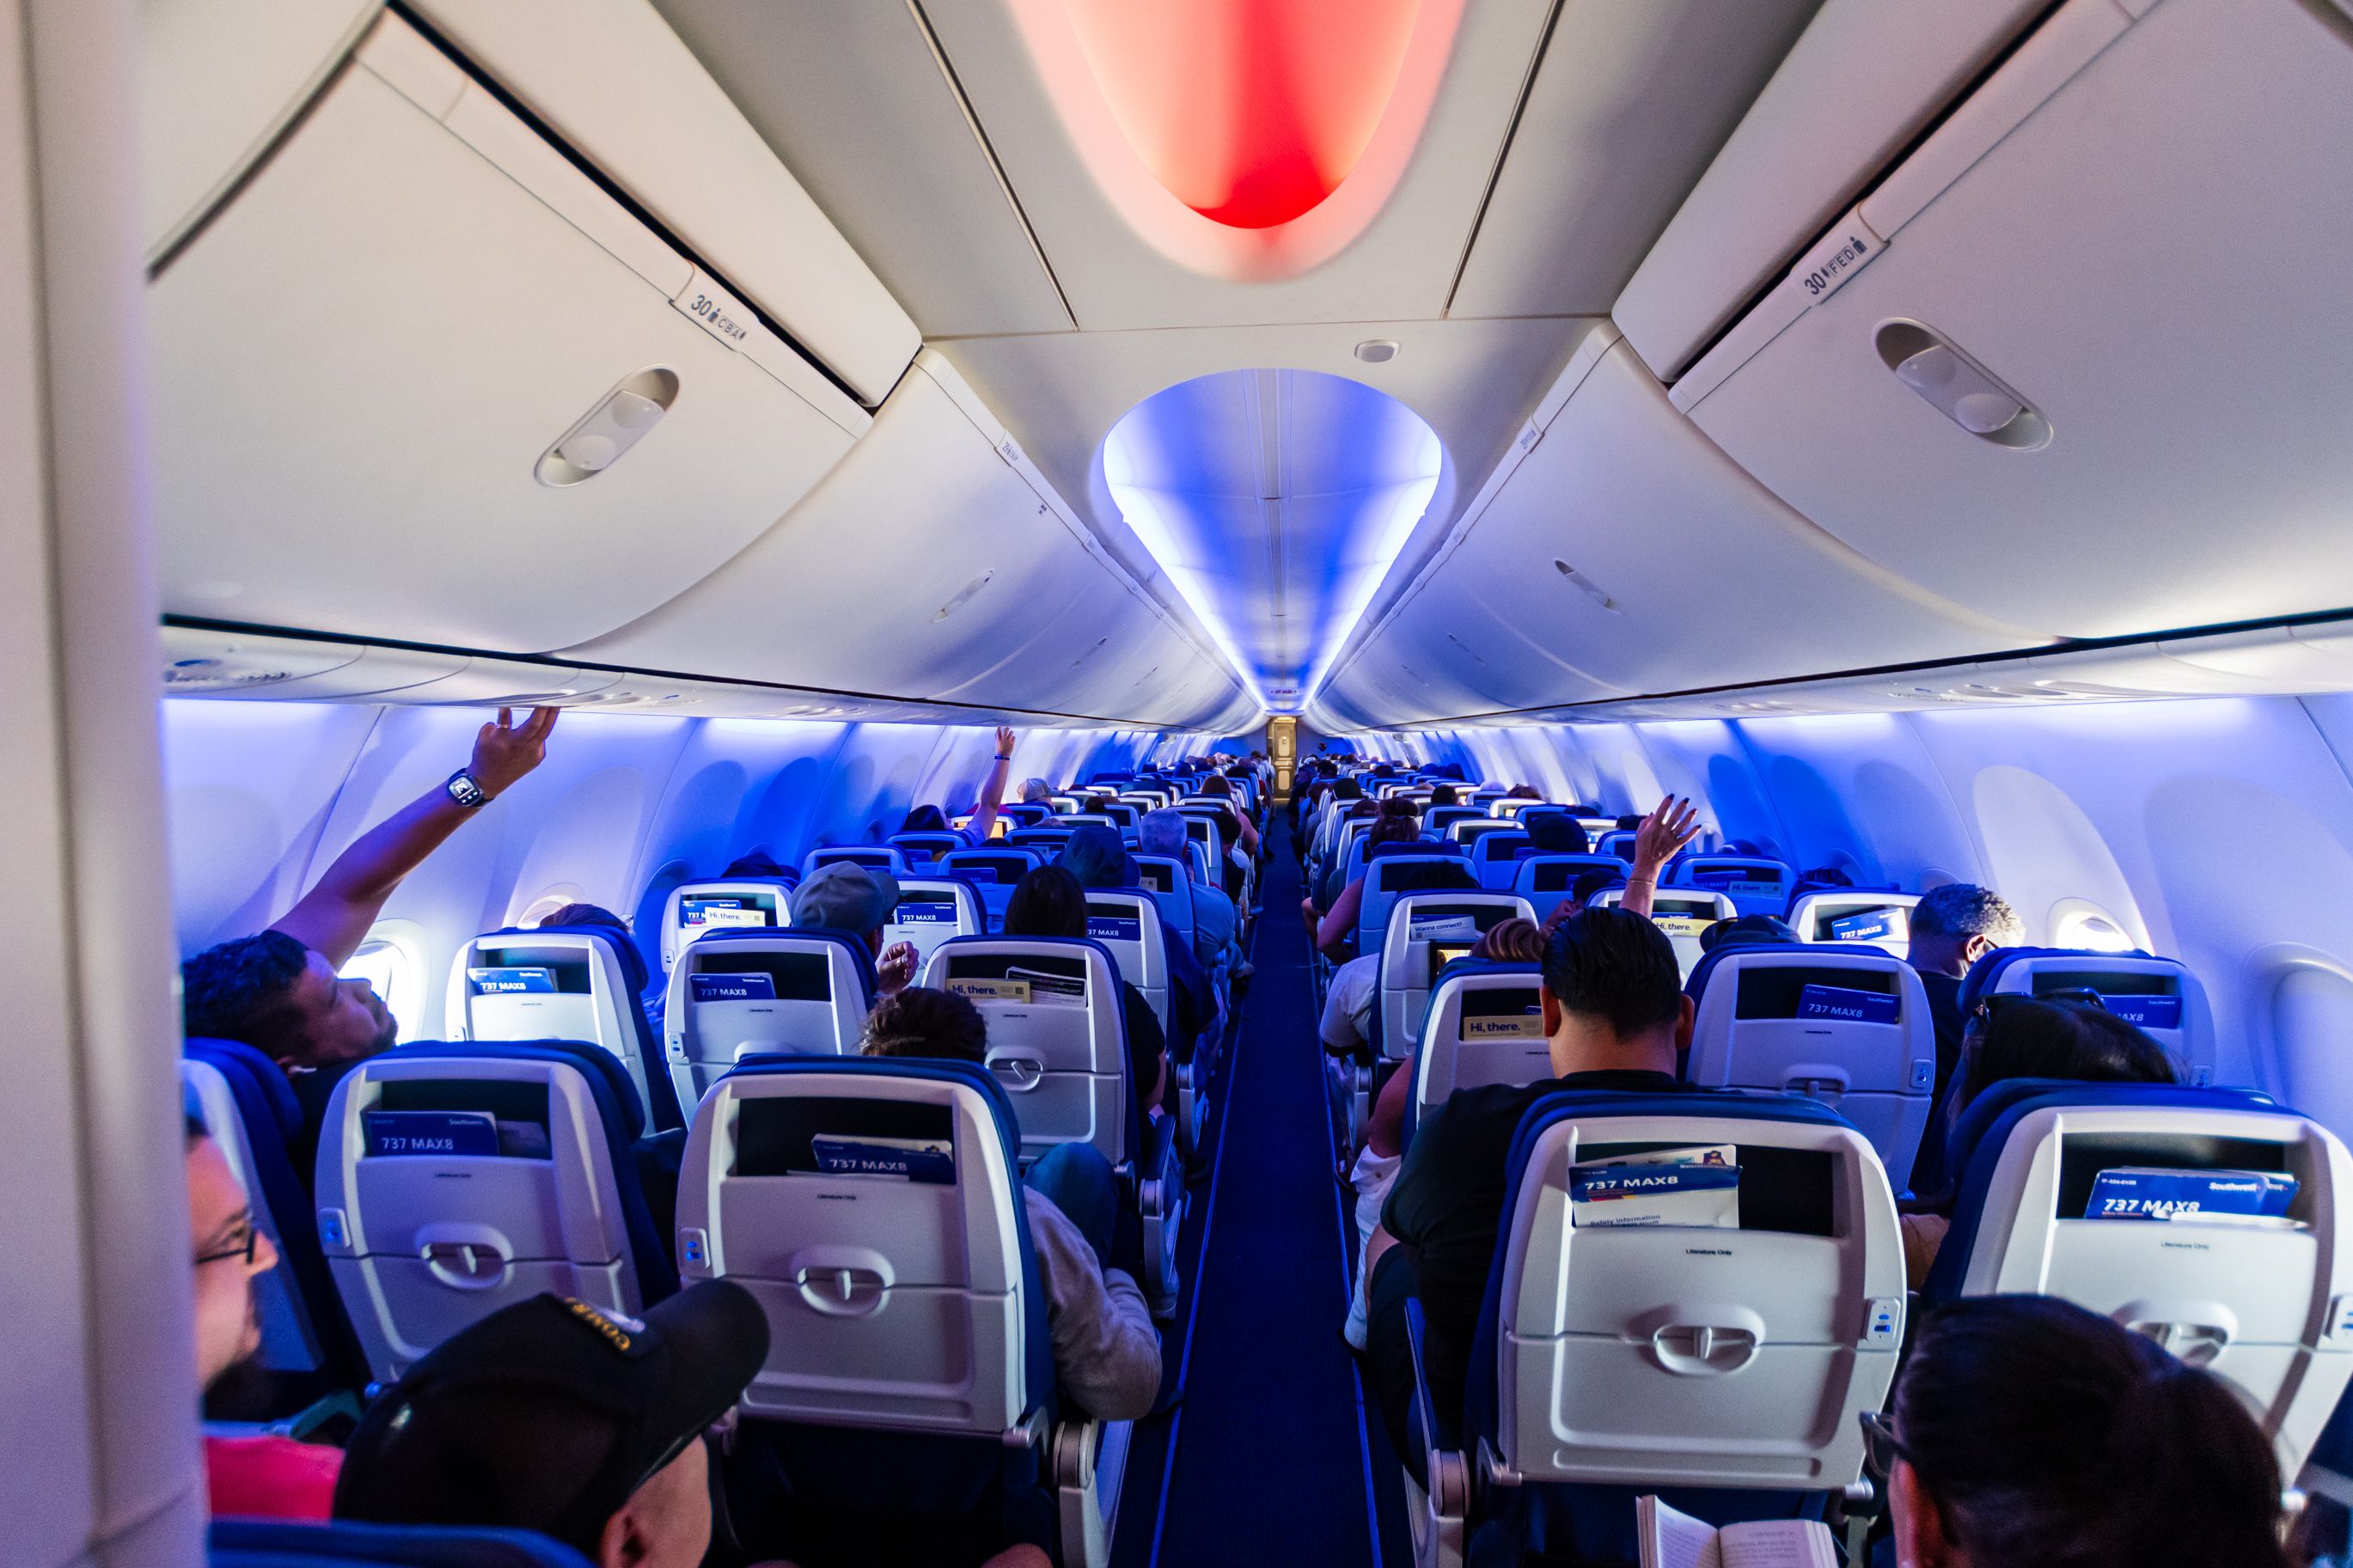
{"x": 754, "y": 862}
{"x": 1511, "y": 941}
{"x": 922, "y": 1022}
{"x": 1746, "y": 928}
{"x": 1593, "y": 881}
{"x": 1826, "y": 876}
{"x": 586, "y": 915}
{"x": 194, "y": 1128}
{"x": 924, "y": 819}
{"x": 1047, "y": 902}
{"x": 1216, "y": 784}
{"x": 1522, "y": 792}
{"x": 1444, "y": 795}
{"x": 1347, "y": 789}
{"x": 244, "y": 990}
{"x": 1964, "y": 909}
{"x": 1558, "y": 833}
{"x": 2031, "y": 1038}
{"x": 1392, "y": 828}
{"x": 1631, "y": 821}
{"x": 1615, "y": 966}
{"x": 2052, "y": 1438}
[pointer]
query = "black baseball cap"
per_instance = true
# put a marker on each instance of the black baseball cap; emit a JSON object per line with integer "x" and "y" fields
{"x": 549, "y": 1413}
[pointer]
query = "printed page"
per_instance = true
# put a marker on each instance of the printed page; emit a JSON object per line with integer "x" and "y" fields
{"x": 1779, "y": 1544}
{"x": 1673, "y": 1539}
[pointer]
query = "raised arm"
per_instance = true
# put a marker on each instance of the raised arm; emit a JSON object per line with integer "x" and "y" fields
{"x": 1666, "y": 830}
{"x": 1339, "y": 923}
{"x": 992, "y": 789}
{"x": 334, "y": 916}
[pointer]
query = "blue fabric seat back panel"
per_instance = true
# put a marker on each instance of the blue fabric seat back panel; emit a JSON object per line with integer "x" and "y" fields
{"x": 279, "y": 1543}
{"x": 624, "y": 1124}
{"x": 1974, "y": 1147}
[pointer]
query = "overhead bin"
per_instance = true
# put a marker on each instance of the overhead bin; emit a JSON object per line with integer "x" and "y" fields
{"x": 1859, "y": 84}
{"x": 423, "y": 379}
{"x": 933, "y": 563}
{"x": 620, "y": 88}
{"x": 219, "y": 79}
{"x": 2093, "y": 376}
{"x": 1636, "y": 558}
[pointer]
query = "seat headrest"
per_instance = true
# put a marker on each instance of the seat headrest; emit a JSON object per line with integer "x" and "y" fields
{"x": 624, "y": 948}
{"x": 1986, "y": 971}
{"x": 1830, "y": 957}
{"x": 1479, "y": 968}
{"x": 1413, "y": 847}
{"x": 269, "y": 1079}
{"x": 601, "y": 1067}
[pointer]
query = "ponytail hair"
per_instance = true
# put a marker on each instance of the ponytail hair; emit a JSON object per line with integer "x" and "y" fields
{"x": 2051, "y": 1437}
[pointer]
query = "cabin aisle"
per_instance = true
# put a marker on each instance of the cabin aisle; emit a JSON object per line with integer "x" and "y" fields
{"x": 1269, "y": 1456}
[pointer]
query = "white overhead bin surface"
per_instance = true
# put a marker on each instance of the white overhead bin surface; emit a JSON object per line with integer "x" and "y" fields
{"x": 2135, "y": 233}
{"x": 367, "y": 364}
{"x": 217, "y": 80}
{"x": 619, "y": 85}
{"x": 1640, "y": 560}
{"x": 1860, "y": 82}
{"x": 929, "y": 564}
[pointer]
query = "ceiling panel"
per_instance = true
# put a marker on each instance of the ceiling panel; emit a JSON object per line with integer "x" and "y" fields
{"x": 1626, "y": 112}
{"x": 853, "y": 100}
{"x": 1401, "y": 265}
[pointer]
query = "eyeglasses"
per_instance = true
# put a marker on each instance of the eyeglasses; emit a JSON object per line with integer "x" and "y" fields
{"x": 1880, "y": 1447}
{"x": 244, "y": 1248}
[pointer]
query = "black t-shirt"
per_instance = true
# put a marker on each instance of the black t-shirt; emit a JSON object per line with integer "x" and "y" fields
{"x": 1448, "y": 1205}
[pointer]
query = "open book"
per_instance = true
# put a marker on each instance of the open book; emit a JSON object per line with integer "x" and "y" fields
{"x": 1673, "y": 1539}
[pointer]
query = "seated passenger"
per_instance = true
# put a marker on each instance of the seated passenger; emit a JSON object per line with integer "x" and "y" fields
{"x": 1952, "y": 928}
{"x": 1615, "y": 1017}
{"x": 755, "y": 863}
{"x": 1443, "y": 794}
{"x": 552, "y": 1416}
{"x": 1825, "y": 877}
{"x": 1049, "y": 902}
{"x": 1513, "y": 940}
{"x": 279, "y": 992}
{"x": 255, "y": 1478}
{"x": 2019, "y": 1036}
{"x": 932, "y": 819}
{"x": 1162, "y": 831}
{"x": 1106, "y": 1352}
{"x": 1097, "y": 858}
{"x": 1333, "y": 932}
{"x": 1558, "y": 833}
{"x": 844, "y": 896}
{"x": 1036, "y": 791}
{"x": 1748, "y": 930}
{"x": 2029, "y": 1433}
{"x": 1524, "y": 792}
{"x": 651, "y": 997}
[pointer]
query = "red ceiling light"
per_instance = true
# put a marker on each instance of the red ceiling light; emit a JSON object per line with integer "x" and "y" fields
{"x": 1249, "y": 111}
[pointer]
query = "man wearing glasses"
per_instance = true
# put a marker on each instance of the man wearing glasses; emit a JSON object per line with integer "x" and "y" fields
{"x": 265, "y": 1476}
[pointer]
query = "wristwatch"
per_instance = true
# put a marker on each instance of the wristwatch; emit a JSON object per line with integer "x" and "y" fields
{"x": 466, "y": 791}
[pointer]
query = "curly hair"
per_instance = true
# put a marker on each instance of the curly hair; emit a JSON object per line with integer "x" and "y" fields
{"x": 925, "y": 1023}
{"x": 244, "y": 990}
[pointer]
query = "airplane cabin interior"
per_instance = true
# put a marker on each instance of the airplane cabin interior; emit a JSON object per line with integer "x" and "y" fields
{"x": 1123, "y": 783}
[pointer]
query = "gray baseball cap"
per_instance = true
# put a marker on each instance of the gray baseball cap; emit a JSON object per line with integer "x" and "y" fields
{"x": 848, "y": 897}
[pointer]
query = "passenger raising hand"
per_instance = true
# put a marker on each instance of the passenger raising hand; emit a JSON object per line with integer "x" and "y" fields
{"x": 504, "y": 752}
{"x": 1673, "y": 823}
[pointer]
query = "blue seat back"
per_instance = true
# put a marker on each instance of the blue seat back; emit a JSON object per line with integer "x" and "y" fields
{"x": 1847, "y": 1026}
{"x": 902, "y": 1302}
{"x": 1881, "y": 916}
{"x": 459, "y": 1177}
{"x": 723, "y": 903}
{"x": 1547, "y": 880}
{"x": 1425, "y": 932}
{"x": 1170, "y": 883}
{"x": 1636, "y": 1357}
{"x": 994, "y": 873}
{"x": 279, "y": 1543}
{"x": 2161, "y": 995}
{"x": 804, "y": 990}
{"x": 884, "y": 856}
{"x": 931, "y": 910}
{"x": 1756, "y": 885}
{"x": 1391, "y": 877}
{"x": 2268, "y": 1307}
{"x": 1057, "y": 1036}
{"x": 924, "y": 847}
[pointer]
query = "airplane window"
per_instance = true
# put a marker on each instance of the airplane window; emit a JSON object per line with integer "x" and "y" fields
{"x": 389, "y": 967}
{"x": 2092, "y": 930}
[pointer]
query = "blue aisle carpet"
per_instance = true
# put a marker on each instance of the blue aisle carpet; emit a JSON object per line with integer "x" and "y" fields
{"x": 1268, "y": 1454}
